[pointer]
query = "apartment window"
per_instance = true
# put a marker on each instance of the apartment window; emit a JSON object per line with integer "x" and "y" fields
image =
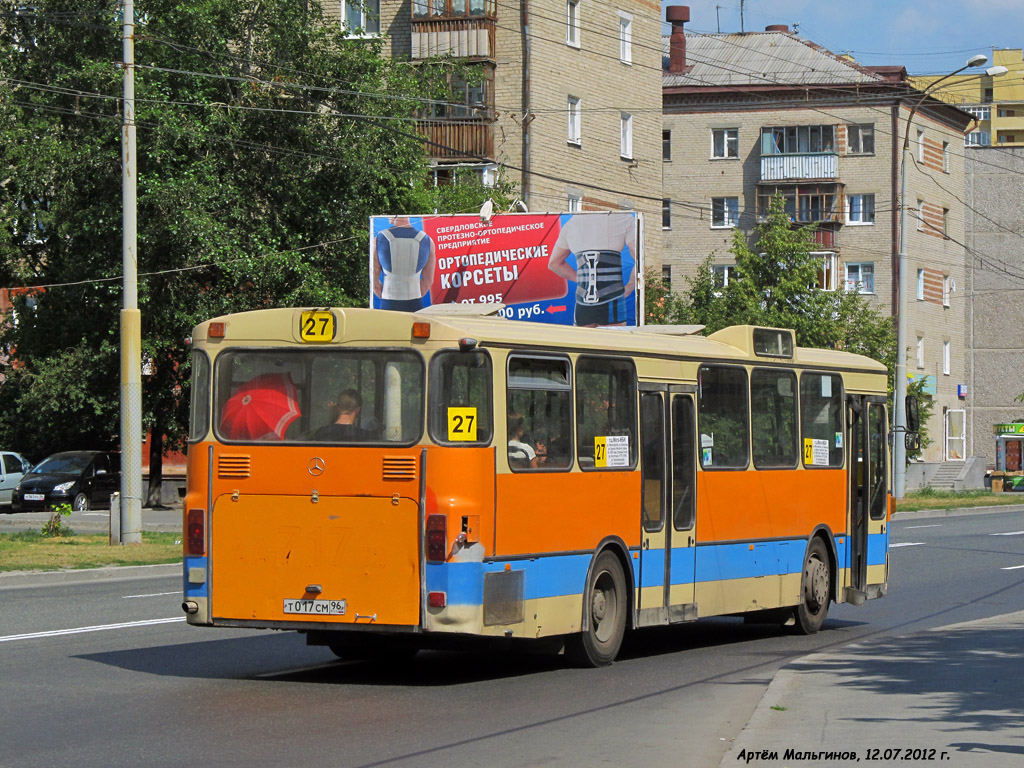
{"x": 725, "y": 211}
{"x": 722, "y": 274}
{"x": 572, "y": 23}
{"x": 945, "y": 156}
{"x": 860, "y": 277}
{"x": 1007, "y": 138}
{"x": 920, "y": 145}
{"x": 666, "y": 213}
{"x": 574, "y": 203}
{"x": 920, "y": 285}
{"x": 982, "y": 113}
{"x": 626, "y": 135}
{"x": 827, "y": 270}
{"x": 574, "y": 121}
{"x": 361, "y": 18}
{"x": 945, "y": 358}
{"x": 666, "y": 277}
{"x": 666, "y": 145}
{"x": 625, "y": 38}
{"x": 860, "y": 209}
{"x": 1007, "y": 113}
{"x": 797, "y": 139}
{"x": 920, "y": 215}
{"x": 946, "y": 286}
{"x": 978, "y": 139}
{"x": 860, "y": 139}
{"x": 945, "y": 222}
{"x": 460, "y": 8}
{"x": 920, "y": 351}
{"x": 725, "y": 142}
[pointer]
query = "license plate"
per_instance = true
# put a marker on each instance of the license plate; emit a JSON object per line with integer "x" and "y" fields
{"x": 316, "y": 607}
{"x": 34, "y": 497}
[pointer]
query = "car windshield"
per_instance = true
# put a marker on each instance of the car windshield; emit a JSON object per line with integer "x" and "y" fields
{"x": 68, "y": 464}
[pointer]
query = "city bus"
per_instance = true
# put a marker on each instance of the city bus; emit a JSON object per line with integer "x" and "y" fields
{"x": 385, "y": 482}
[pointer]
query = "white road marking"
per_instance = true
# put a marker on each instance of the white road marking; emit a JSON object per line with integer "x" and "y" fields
{"x": 907, "y": 544}
{"x": 98, "y": 628}
{"x": 94, "y": 514}
{"x": 1011, "y": 533}
{"x": 936, "y": 525}
{"x": 1013, "y": 568}
{"x": 152, "y": 594}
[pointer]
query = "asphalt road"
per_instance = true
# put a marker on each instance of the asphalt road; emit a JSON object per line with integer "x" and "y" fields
{"x": 153, "y": 691}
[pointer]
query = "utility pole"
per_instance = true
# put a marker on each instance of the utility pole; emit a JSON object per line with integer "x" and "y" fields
{"x": 741, "y": 17}
{"x": 131, "y": 325}
{"x": 718, "y": 18}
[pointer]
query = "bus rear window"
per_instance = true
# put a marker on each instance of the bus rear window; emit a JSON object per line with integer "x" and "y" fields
{"x": 460, "y": 400}
{"x": 334, "y": 396}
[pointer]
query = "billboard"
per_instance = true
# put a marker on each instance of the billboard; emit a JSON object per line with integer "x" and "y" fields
{"x": 560, "y": 268}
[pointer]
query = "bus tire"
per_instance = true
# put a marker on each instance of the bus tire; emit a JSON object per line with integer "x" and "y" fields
{"x": 605, "y": 603}
{"x": 815, "y": 589}
{"x": 370, "y": 647}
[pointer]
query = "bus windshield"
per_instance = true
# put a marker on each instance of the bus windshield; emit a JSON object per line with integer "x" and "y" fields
{"x": 339, "y": 396}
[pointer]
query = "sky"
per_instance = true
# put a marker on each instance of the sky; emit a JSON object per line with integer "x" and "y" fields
{"x": 933, "y": 37}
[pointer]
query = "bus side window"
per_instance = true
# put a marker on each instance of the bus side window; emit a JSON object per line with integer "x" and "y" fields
{"x": 539, "y": 418}
{"x": 606, "y": 413}
{"x": 460, "y": 398}
{"x": 821, "y": 419}
{"x": 723, "y": 417}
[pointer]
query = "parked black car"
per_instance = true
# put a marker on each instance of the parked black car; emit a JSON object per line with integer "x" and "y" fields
{"x": 83, "y": 479}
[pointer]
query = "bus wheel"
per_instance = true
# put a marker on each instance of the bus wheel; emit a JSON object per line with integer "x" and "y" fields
{"x": 605, "y": 603}
{"x": 369, "y": 647}
{"x": 815, "y": 588}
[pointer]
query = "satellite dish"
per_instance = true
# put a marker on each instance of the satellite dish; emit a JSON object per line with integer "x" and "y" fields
{"x": 486, "y": 212}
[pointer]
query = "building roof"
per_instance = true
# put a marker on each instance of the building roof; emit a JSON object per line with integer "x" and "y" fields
{"x": 763, "y": 58}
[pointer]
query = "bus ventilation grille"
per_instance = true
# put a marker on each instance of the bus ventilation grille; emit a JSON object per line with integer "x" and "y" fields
{"x": 399, "y": 467}
{"x": 503, "y": 598}
{"x": 233, "y": 466}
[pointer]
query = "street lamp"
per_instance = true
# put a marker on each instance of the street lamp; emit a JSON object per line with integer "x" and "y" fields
{"x": 900, "y": 422}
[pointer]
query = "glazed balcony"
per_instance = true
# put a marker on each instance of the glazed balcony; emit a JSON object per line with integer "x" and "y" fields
{"x": 803, "y": 166}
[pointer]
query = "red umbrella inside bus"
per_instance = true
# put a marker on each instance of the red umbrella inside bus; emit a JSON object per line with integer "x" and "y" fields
{"x": 261, "y": 409}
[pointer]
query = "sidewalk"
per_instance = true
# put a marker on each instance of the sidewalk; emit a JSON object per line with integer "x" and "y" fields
{"x": 166, "y": 519}
{"x": 948, "y": 695}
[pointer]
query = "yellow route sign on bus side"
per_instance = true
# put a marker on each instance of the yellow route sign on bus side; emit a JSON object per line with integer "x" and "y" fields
{"x": 462, "y": 425}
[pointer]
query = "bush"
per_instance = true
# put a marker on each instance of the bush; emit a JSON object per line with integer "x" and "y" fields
{"x": 55, "y": 525}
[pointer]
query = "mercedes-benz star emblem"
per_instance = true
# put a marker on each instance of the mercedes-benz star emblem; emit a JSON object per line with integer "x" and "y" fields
{"x": 316, "y": 466}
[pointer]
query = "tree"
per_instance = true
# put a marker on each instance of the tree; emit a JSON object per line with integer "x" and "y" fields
{"x": 776, "y": 284}
{"x": 266, "y": 140}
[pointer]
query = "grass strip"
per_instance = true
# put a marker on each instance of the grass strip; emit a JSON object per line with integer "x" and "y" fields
{"x": 31, "y": 551}
{"x": 929, "y": 498}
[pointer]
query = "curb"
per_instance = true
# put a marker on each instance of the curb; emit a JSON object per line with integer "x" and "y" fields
{"x": 958, "y": 511}
{"x": 15, "y": 579}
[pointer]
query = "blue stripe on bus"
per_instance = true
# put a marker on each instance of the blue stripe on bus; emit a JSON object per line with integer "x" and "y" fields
{"x": 195, "y": 590}
{"x": 878, "y": 546}
{"x": 559, "y": 575}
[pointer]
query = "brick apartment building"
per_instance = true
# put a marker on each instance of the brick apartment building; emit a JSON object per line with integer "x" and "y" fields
{"x": 756, "y": 115}
{"x": 567, "y": 98}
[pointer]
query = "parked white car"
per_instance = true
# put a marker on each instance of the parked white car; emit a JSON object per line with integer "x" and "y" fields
{"x": 12, "y": 467}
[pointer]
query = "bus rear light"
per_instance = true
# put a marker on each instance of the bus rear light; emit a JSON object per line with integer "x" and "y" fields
{"x": 195, "y": 531}
{"x": 437, "y": 538}
{"x": 437, "y": 599}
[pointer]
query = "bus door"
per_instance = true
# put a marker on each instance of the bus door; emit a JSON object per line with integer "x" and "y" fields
{"x": 668, "y": 506}
{"x": 868, "y": 472}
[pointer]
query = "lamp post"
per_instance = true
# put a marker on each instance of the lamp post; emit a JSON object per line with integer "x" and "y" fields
{"x": 900, "y": 397}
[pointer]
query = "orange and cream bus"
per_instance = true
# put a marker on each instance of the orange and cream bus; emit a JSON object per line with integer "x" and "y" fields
{"x": 384, "y": 481}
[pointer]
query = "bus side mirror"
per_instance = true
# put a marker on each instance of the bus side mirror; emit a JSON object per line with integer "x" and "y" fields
{"x": 912, "y": 441}
{"x": 913, "y": 421}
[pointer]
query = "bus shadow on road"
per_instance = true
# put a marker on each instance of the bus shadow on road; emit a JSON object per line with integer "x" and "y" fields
{"x": 284, "y": 656}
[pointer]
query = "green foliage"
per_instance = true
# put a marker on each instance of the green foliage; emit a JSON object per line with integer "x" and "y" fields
{"x": 55, "y": 525}
{"x": 925, "y": 408}
{"x": 266, "y": 140}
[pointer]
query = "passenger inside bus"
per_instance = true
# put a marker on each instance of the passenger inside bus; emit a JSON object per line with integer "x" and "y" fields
{"x": 520, "y": 454}
{"x": 345, "y": 427}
